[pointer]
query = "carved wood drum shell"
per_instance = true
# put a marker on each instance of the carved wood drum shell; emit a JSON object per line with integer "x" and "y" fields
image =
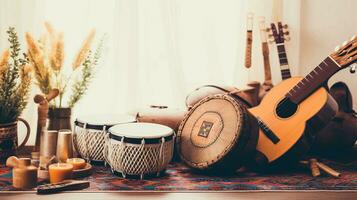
{"x": 218, "y": 134}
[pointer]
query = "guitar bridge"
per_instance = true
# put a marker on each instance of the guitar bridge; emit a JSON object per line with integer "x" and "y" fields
{"x": 268, "y": 132}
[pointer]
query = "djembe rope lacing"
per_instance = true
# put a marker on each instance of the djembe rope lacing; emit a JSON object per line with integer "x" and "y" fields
{"x": 138, "y": 159}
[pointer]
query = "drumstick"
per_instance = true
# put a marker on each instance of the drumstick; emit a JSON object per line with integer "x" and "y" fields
{"x": 42, "y": 111}
{"x": 328, "y": 170}
{"x": 314, "y": 168}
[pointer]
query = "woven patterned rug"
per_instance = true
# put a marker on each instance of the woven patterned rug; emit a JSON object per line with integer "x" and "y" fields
{"x": 180, "y": 178}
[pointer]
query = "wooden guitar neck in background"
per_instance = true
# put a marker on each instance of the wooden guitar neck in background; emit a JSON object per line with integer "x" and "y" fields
{"x": 283, "y": 60}
{"x": 249, "y": 41}
{"x": 280, "y": 35}
{"x": 265, "y": 51}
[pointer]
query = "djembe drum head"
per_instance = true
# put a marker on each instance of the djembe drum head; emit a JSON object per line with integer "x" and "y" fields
{"x": 217, "y": 134}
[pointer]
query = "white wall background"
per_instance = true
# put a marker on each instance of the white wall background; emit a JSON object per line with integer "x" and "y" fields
{"x": 325, "y": 24}
{"x": 159, "y": 50}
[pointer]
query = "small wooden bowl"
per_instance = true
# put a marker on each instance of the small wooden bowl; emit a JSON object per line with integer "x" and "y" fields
{"x": 79, "y": 173}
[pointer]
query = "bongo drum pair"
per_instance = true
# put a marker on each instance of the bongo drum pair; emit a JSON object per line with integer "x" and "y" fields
{"x": 218, "y": 134}
{"x": 131, "y": 149}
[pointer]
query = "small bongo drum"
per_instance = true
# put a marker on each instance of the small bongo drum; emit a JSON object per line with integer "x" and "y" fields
{"x": 218, "y": 134}
{"x": 138, "y": 150}
{"x": 90, "y": 131}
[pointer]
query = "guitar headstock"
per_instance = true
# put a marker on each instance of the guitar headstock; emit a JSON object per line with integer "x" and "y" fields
{"x": 263, "y": 30}
{"x": 346, "y": 55}
{"x": 280, "y": 33}
{"x": 250, "y": 17}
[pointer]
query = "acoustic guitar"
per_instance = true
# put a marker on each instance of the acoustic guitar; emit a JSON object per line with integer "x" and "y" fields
{"x": 297, "y": 107}
{"x": 279, "y": 35}
{"x": 267, "y": 84}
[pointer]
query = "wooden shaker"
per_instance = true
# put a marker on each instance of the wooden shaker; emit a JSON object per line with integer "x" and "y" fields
{"x": 24, "y": 175}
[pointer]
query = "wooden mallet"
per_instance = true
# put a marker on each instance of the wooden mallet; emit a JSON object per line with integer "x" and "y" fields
{"x": 42, "y": 110}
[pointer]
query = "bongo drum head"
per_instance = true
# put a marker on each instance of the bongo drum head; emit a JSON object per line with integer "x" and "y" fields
{"x": 105, "y": 120}
{"x": 141, "y": 130}
{"x": 211, "y": 130}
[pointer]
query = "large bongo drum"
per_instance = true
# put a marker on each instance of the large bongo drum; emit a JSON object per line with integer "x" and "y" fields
{"x": 218, "y": 134}
{"x": 89, "y": 134}
{"x": 138, "y": 150}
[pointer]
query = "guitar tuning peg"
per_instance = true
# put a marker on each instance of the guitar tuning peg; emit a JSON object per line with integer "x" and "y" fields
{"x": 270, "y": 35}
{"x": 287, "y": 38}
{"x": 344, "y": 43}
{"x": 285, "y": 26}
{"x": 353, "y": 37}
{"x": 286, "y": 33}
{"x": 271, "y": 41}
{"x": 353, "y": 68}
{"x": 337, "y": 48}
{"x": 267, "y": 29}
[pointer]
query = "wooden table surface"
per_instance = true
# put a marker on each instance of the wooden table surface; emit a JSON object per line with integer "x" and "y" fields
{"x": 266, "y": 195}
{"x": 239, "y": 195}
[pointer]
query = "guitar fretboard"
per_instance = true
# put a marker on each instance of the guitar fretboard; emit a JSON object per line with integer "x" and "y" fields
{"x": 313, "y": 81}
{"x": 283, "y": 60}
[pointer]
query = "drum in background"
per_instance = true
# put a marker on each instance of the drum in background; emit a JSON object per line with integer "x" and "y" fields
{"x": 249, "y": 94}
{"x": 89, "y": 134}
{"x": 161, "y": 115}
{"x": 218, "y": 134}
{"x": 139, "y": 150}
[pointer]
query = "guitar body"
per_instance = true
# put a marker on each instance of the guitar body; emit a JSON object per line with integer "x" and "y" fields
{"x": 313, "y": 113}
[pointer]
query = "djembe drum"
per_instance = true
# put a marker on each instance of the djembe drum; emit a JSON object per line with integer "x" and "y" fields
{"x": 249, "y": 94}
{"x": 90, "y": 131}
{"x": 218, "y": 134}
{"x": 138, "y": 150}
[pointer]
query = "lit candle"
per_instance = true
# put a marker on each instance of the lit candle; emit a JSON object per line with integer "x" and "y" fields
{"x": 60, "y": 171}
{"x": 78, "y": 163}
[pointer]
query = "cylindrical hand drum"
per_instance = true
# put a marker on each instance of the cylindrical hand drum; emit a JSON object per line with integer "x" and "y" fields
{"x": 218, "y": 134}
{"x": 138, "y": 150}
{"x": 248, "y": 94}
{"x": 90, "y": 131}
{"x": 161, "y": 115}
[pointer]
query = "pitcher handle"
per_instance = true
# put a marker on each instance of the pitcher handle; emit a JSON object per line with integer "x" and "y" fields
{"x": 27, "y": 133}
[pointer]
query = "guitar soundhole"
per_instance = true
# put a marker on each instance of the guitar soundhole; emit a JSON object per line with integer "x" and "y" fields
{"x": 286, "y": 108}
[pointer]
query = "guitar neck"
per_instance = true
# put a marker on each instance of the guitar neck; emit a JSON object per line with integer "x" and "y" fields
{"x": 283, "y": 60}
{"x": 248, "y": 49}
{"x": 313, "y": 81}
{"x": 267, "y": 70}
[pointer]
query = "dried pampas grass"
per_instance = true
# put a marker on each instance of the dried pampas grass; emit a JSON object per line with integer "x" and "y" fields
{"x": 57, "y": 53}
{"x": 83, "y": 52}
{"x": 4, "y": 59}
{"x": 40, "y": 69}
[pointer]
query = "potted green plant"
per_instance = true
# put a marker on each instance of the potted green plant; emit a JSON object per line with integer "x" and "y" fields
{"x": 15, "y": 81}
{"x": 47, "y": 56}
